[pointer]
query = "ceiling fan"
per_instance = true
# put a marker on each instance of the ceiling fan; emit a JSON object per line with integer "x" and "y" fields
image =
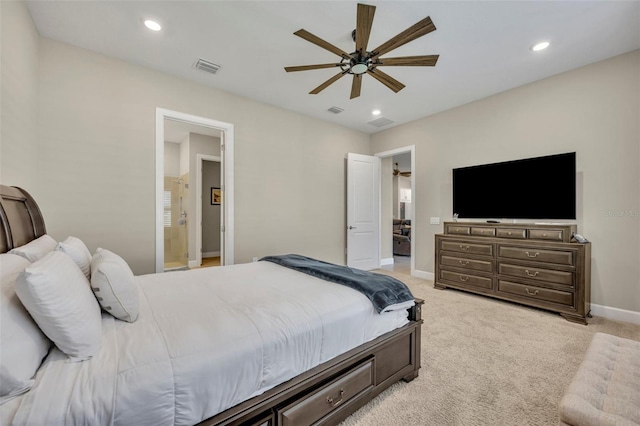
{"x": 362, "y": 61}
{"x": 396, "y": 171}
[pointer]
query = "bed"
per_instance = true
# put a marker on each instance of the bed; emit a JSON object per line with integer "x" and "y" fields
{"x": 240, "y": 344}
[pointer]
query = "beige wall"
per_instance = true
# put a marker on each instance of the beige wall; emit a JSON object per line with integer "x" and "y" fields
{"x": 78, "y": 132}
{"x": 97, "y": 132}
{"x": 592, "y": 110}
{"x": 19, "y": 101}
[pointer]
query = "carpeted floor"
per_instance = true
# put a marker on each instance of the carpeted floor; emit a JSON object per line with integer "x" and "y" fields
{"x": 486, "y": 362}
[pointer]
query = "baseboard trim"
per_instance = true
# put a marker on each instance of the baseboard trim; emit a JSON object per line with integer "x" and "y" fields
{"x": 193, "y": 264}
{"x": 615, "y": 313}
{"x": 423, "y": 274}
{"x": 210, "y": 254}
{"x": 387, "y": 261}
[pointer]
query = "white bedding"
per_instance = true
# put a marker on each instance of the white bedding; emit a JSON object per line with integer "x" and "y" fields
{"x": 205, "y": 340}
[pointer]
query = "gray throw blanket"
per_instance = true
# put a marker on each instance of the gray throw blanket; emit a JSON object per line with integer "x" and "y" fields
{"x": 382, "y": 290}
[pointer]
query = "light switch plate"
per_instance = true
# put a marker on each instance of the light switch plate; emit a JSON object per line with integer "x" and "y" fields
{"x": 434, "y": 220}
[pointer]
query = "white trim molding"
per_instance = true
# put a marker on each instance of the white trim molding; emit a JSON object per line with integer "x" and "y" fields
{"x": 387, "y": 261}
{"x": 207, "y": 254}
{"x": 227, "y": 150}
{"x": 422, "y": 274}
{"x": 390, "y": 153}
{"x": 615, "y": 313}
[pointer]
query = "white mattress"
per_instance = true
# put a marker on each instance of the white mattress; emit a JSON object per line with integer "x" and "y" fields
{"x": 205, "y": 341}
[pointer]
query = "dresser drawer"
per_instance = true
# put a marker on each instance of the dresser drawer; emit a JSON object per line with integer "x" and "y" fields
{"x": 560, "y": 257}
{"x": 483, "y": 231}
{"x": 539, "y": 274}
{"x": 466, "y": 279}
{"x": 515, "y": 233}
{"x": 537, "y": 293}
{"x": 459, "y": 262}
{"x": 329, "y": 398}
{"x": 458, "y": 230}
{"x": 463, "y": 247}
{"x": 546, "y": 234}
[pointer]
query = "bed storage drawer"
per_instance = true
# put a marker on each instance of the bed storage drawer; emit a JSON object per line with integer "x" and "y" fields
{"x": 315, "y": 407}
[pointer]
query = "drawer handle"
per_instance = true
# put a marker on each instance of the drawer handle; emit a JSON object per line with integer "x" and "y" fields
{"x": 529, "y": 293}
{"x": 333, "y": 402}
{"x": 464, "y": 248}
{"x": 534, "y": 254}
{"x": 463, "y": 262}
{"x": 535, "y": 274}
{"x": 509, "y": 233}
{"x": 464, "y": 278}
{"x": 544, "y": 234}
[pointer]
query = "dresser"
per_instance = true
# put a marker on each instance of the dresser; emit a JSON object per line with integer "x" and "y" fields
{"x": 531, "y": 264}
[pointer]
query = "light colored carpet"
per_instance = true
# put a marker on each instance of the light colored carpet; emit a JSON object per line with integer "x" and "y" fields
{"x": 486, "y": 362}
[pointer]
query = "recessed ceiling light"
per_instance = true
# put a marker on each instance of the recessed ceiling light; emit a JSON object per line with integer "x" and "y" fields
{"x": 152, "y": 25}
{"x": 376, "y": 112}
{"x": 539, "y": 46}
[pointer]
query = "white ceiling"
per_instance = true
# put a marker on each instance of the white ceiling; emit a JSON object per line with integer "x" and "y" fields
{"x": 483, "y": 46}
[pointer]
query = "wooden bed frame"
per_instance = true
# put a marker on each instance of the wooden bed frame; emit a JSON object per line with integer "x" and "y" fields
{"x": 324, "y": 395}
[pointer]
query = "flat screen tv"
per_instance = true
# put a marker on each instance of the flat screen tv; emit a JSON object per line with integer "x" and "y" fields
{"x": 532, "y": 188}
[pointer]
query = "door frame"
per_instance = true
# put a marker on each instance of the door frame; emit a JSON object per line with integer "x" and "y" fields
{"x": 226, "y": 153}
{"x": 200, "y": 159}
{"x": 390, "y": 153}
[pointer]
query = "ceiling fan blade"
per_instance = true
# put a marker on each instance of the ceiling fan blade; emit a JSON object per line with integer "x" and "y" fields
{"x": 356, "y": 86}
{"x": 419, "y": 61}
{"x": 387, "y": 80}
{"x": 320, "y": 42}
{"x": 327, "y": 83}
{"x": 310, "y": 67}
{"x": 415, "y": 31}
{"x": 364, "y": 21}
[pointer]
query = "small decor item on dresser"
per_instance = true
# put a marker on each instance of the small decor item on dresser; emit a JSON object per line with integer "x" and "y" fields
{"x": 579, "y": 238}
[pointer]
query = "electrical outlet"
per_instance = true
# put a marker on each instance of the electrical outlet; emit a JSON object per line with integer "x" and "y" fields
{"x": 434, "y": 220}
{"x": 255, "y": 259}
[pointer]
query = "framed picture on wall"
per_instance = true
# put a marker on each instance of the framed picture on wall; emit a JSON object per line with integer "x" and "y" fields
{"x": 216, "y": 196}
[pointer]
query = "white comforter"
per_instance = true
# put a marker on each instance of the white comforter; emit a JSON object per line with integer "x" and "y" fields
{"x": 205, "y": 341}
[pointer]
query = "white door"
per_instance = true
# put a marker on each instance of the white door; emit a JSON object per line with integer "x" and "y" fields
{"x": 363, "y": 211}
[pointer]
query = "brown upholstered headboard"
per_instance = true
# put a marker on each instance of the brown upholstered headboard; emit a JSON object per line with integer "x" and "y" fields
{"x": 20, "y": 218}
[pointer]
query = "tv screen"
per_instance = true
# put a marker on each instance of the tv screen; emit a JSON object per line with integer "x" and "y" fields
{"x": 532, "y": 188}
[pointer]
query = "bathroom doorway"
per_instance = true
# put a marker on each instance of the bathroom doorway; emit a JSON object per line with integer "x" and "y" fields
{"x": 181, "y": 139}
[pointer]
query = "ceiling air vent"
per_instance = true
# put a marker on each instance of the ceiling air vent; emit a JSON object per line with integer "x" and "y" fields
{"x": 381, "y": 122}
{"x": 335, "y": 110}
{"x": 207, "y": 66}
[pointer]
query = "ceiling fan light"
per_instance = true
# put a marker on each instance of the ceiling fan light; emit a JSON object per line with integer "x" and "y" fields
{"x": 359, "y": 68}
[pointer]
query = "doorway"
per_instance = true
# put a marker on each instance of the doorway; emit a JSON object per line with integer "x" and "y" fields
{"x": 190, "y": 194}
{"x": 397, "y": 227}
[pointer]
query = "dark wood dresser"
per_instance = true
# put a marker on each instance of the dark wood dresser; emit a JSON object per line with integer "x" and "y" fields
{"x": 532, "y": 264}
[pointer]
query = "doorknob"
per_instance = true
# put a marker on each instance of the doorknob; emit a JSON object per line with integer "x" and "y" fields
{"x": 351, "y": 227}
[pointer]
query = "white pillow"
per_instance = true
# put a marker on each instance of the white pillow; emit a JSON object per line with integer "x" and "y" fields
{"x": 78, "y": 252}
{"x": 22, "y": 343}
{"x": 36, "y": 249}
{"x": 56, "y": 293}
{"x": 114, "y": 285}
